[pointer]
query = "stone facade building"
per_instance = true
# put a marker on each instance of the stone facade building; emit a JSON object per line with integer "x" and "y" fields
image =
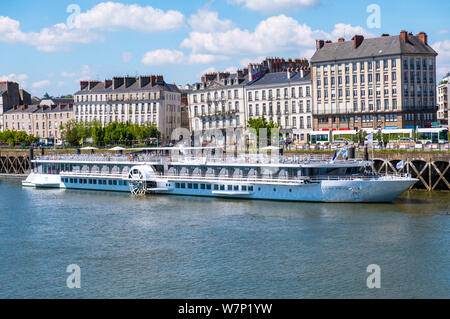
{"x": 140, "y": 100}
{"x": 218, "y": 102}
{"x": 384, "y": 82}
{"x": 41, "y": 120}
{"x": 443, "y": 114}
{"x": 10, "y": 95}
{"x": 286, "y": 99}
{"x": 221, "y": 101}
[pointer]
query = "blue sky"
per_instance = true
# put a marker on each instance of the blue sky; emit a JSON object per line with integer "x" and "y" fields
{"x": 45, "y": 52}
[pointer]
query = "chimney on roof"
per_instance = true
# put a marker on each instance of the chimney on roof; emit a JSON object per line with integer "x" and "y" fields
{"x": 92, "y": 84}
{"x": 107, "y": 83}
{"x": 384, "y": 35}
{"x": 83, "y": 85}
{"x": 117, "y": 82}
{"x": 320, "y": 44}
{"x": 423, "y": 37}
{"x": 357, "y": 40}
{"x": 328, "y": 41}
{"x": 143, "y": 81}
{"x": 129, "y": 81}
{"x": 404, "y": 35}
{"x": 341, "y": 40}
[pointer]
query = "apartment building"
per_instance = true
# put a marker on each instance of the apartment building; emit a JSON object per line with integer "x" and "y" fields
{"x": 140, "y": 100}
{"x": 41, "y": 120}
{"x": 11, "y": 95}
{"x": 384, "y": 82}
{"x": 220, "y": 100}
{"x": 286, "y": 99}
{"x": 443, "y": 114}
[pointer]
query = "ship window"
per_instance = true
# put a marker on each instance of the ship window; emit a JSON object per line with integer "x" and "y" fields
{"x": 71, "y": 180}
{"x": 274, "y": 189}
{"x": 114, "y": 182}
{"x": 250, "y": 188}
{"x": 177, "y": 185}
{"x": 222, "y": 187}
{"x": 195, "y": 186}
{"x": 216, "y": 187}
{"x": 85, "y": 181}
{"x": 189, "y": 185}
{"x": 236, "y": 187}
{"x": 244, "y": 188}
{"x": 290, "y": 190}
{"x": 230, "y": 187}
{"x": 94, "y": 181}
{"x": 110, "y": 182}
{"x": 202, "y": 186}
{"x": 183, "y": 185}
{"x": 90, "y": 181}
{"x": 208, "y": 186}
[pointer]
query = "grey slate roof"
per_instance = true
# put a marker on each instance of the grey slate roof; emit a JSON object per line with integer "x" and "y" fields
{"x": 281, "y": 78}
{"x": 35, "y": 108}
{"x": 100, "y": 88}
{"x": 375, "y": 47}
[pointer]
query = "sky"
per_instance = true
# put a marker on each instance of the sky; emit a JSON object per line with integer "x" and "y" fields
{"x": 49, "y": 46}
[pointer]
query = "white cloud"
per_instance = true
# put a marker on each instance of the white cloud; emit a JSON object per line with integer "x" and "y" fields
{"x": 443, "y": 59}
{"x": 271, "y": 36}
{"x": 57, "y": 37}
{"x": 163, "y": 56}
{"x": 115, "y": 16}
{"x": 40, "y": 84}
{"x": 166, "y": 56}
{"x": 127, "y": 57}
{"x": 211, "y": 69}
{"x": 109, "y": 16}
{"x": 208, "y": 21}
{"x": 84, "y": 73}
{"x": 231, "y": 69}
{"x": 61, "y": 84}
{"x": 19, "y": 78}
{"x": 269, "y": 6}
{"x": 246, "y": 61}
{"x": 347, "y": 31}
{"x": 443, "y": 31}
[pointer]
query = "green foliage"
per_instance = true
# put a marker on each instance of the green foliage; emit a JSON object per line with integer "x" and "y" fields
{"x": 261, "y": 122}
{"x": 113, "y": 134}
{"x": 13, "y": 138}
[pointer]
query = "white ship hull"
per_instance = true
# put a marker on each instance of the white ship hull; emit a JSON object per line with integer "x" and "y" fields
{"x": 380, "y": 189}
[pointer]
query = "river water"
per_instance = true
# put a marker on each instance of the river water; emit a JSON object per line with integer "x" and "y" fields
{"x": 188, "y": 247}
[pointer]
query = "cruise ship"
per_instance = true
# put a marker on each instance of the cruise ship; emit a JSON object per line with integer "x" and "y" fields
{"x": 193, "y": 172}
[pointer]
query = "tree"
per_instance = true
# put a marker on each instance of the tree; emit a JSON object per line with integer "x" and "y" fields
{"x": 46, "y": 96}
{"x": 261, "y": 123}
{"x": 111, "y": 134}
